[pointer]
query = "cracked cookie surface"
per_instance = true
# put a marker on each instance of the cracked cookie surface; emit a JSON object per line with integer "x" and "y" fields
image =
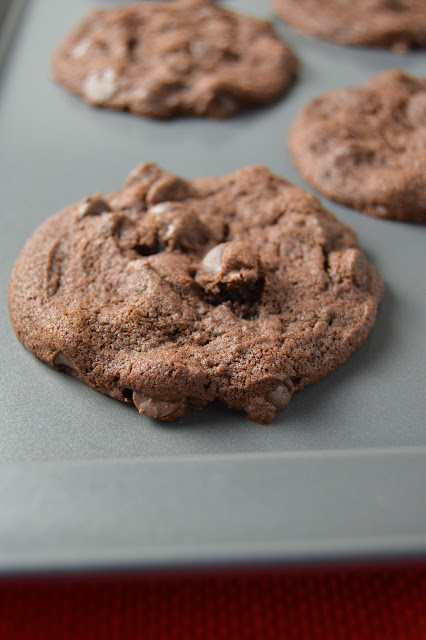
{"x": 399, "y": 25}
{"x": 172, "y": 58}
{"x": 366, "y": 147}
{"x": 171, "y": 293}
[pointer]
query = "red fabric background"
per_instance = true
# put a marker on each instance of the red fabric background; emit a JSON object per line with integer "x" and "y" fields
{"x": 375, "y": 604}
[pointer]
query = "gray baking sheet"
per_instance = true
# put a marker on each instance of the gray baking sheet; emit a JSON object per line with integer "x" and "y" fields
{"x": 85, "y": 481}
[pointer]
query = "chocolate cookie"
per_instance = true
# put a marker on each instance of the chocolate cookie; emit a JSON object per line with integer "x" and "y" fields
{"x": 367, "y": 147}
{"x": 170, "y": 58}
{"x": 395, "y": 24}
{"x": 172, "y": 293}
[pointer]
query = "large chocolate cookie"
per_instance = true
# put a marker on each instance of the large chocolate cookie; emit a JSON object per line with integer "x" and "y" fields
{"x": 182, "y": 57}
{"x": 367, "y": 147}
{"x": 396, "y": 24}
{"x": 170, "y": 293}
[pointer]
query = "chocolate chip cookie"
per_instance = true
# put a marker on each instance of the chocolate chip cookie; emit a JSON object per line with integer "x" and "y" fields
{"x": 172, "y": 293}
{"x": 366, "y": 147}
{"x": 182, "y": 57}
{"x": 395, "y": 24}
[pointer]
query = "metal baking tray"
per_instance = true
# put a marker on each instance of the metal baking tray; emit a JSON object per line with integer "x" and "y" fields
{"x": 86, "y": 482}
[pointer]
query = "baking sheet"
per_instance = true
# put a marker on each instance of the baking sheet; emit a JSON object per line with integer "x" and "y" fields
{"x": 87, "y": 482}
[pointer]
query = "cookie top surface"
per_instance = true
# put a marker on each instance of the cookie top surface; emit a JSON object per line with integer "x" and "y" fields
{"x": 396, "y": 24}
{"x": 366, "y": 147}
{"x": 177, "y": 57}
{"x": 172, "y": 293}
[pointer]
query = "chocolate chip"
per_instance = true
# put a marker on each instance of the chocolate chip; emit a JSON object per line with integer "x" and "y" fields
{"x": 232, "y": 271}
{"x": 161, "y": 207}
{"x": 99, "y": 87}
{"x": 167, "y": 225}
{"x": 279, "y": 397}
{"x": 146, "y": 172}
{"x": 211, "y": 265}
{"x": 61, "y": 360}
{"x": 81, "y": 48}
{"x": 157, "y": 408}
{"x": 93, "y": 206}
{"x": 167, "y": 188}
{"x": 184, "y": 231}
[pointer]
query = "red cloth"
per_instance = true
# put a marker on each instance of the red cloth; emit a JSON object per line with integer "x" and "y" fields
{"x": 370, "y": 604}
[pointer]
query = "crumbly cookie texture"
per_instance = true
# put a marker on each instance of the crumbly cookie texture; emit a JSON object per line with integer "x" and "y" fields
{"x": 399, "y": 25}
{"x": 172, "y": 293}
{"x": 178, "y": 57}
{"x": 366, "y": 147}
